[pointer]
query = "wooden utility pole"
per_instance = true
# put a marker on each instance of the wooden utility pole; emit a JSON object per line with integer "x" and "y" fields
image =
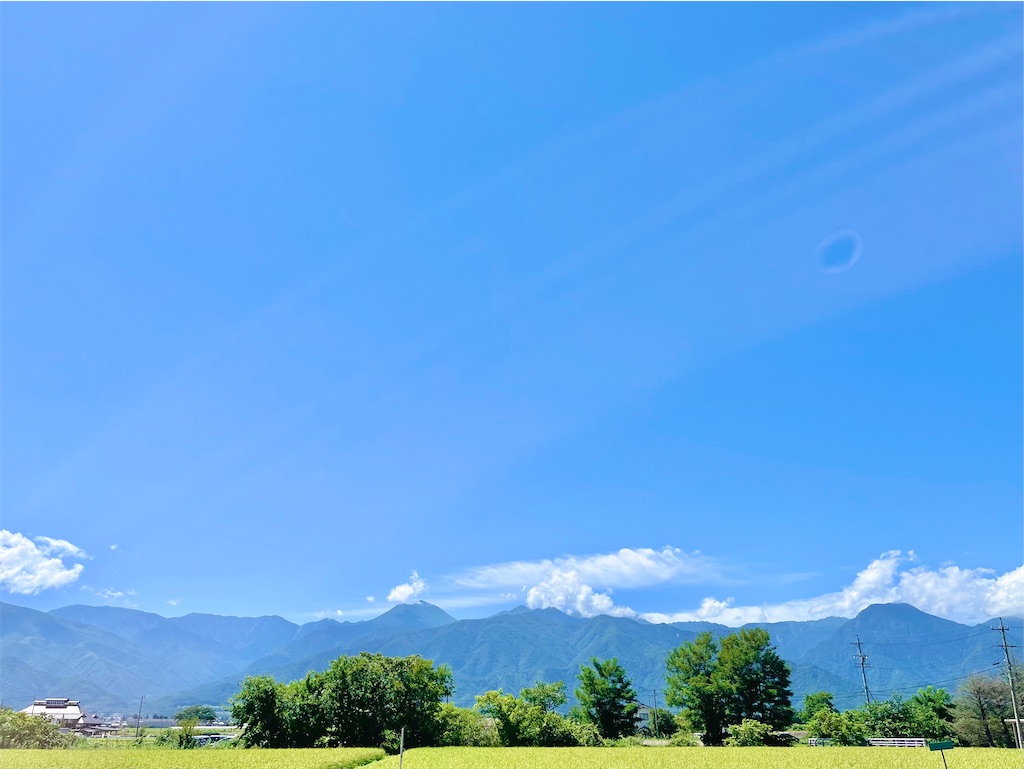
{"x": 862, "y": 662}
{"x": 1009, "y": 674}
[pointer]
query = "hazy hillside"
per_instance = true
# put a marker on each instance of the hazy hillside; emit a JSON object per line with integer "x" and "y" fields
{"x": 109, "y": 657}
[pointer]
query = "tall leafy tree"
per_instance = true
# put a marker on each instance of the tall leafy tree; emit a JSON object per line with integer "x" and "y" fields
{"x": 718, "y": 684}
{"x": 757, "y": 677}
{"x": 607, "y": 699}
{"x": 359, "y": 701}
{"x": 256, "y": 708}
{"x": 695, "y": 685}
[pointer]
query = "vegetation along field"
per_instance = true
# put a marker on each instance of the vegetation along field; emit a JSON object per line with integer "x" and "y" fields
{"x": 298, "y": 758}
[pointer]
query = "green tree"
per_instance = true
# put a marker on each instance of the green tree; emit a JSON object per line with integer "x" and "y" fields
{"x": 842, "y": 728}
{"x": 204, "y": 714}
{"x": 465, "y": 727}
{"x": 931, "y": 714}
{"x": 757, "y": 677}
{"x": 749, "y": 733}
{"x": 724, "y": 683}
{"x": 889, "y": 718}
{"x": 607, "y": 698}
{"x": 695, "y": 686}
{"x": 661, "y": 723}
{"x": 361, "y": 701}
{"x": 187, "y": 732}
{"x": 982, "y": 707}
{"x": 20, "y": 730}
{"x": 529, "y": 719}
{"x": 256, "y": 708}
{"x": 815, "y": 702}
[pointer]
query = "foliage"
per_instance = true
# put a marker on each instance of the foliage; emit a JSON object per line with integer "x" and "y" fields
{"x": 982, "y": 706}
{"x": 661, "y": 723}
{"x": 927, "y": 714}
{"x": 695, "y": 686}
{"x": 748, "y": 734}
{"x": 842, "y": 728}
{"x": 720, "y": 683}
{"x": 607, "y": 699}
{"x": 20, "y": 730}
{"x": 815, "y": 702}
{"x": 186, "y": 733}
{"x": 203, "y": 714}
{"x": 465, "y": 727}
{"x": 529, "y": 719}
{"x": 684, "y": 738}
{"x": 358, "y": 701}
{"x": 757, "y": 677}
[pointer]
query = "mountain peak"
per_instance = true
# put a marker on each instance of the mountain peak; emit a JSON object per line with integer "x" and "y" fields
{"x": 413, "y": 616}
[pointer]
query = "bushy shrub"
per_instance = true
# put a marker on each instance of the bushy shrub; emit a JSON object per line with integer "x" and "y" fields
{"x": 20, "y": 730}
{"x": 684, "y": 738}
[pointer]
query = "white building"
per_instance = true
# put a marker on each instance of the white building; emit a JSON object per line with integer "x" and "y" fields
{"x": 66, "y": 713}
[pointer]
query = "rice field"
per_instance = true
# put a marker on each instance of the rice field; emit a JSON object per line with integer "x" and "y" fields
{"x": 202, "y": 758}
{"x": 518, "y": 758}
{"x": 703, "y": 758}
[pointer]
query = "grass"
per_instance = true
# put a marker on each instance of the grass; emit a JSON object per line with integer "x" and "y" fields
{"x": 203, "y": 758}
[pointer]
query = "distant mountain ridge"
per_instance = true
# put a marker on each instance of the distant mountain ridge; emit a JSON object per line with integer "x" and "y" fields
{"x": 109, "y": 656}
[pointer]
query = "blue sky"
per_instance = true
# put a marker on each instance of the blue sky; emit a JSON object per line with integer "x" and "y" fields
{"x": 668, "y": 311}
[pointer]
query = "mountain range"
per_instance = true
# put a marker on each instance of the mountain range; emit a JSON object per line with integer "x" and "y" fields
{"x": 108, "y": 657}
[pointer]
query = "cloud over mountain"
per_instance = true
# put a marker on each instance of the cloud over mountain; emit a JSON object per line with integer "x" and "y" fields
{"x": 28, "y": 567}
{"x": 964, "y": 595}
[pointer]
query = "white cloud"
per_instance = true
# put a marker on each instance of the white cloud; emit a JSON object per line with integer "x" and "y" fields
{"x": 28, "y": 567}
{"x": 114, "y": 546}
{"x": 566, "y": 590}
{"x": 964, "y": 595}
{"x": 627, "y": 568}
{"x": 329, "y": 613}
{"x": 582, "y": 585}
{"x": 111, "y": 595}
{"x": 59, "y": 548}
{"x": 370, "y": 598}
{"x": 173, "y": 601}
{"x": 405, "y": 591}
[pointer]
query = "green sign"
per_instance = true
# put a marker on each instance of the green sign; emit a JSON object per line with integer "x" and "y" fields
{"x": 947, "y": 745}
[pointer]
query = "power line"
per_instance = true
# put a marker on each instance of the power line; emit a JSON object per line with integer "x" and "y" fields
{"x": 1009, "y": 674}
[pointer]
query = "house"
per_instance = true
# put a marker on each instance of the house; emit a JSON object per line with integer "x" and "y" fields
{"x": 65, "y": 713}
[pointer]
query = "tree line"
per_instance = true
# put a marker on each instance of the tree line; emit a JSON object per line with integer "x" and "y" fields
{"x": 733, "y": 690}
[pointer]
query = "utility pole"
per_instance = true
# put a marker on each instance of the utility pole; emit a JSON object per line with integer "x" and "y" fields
{"x": 138, "y": 721}
{"x": 1009, "y": 674}
{"x": 654, "y": 716}
{"x": 862, "y": 663}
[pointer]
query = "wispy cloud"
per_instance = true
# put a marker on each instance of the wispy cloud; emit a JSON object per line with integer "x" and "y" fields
{"x": 28, "y": 567}
{"x": 964, "y": 595}
{"x": 407, "y": 590}
{"x": 112, "y": 595}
